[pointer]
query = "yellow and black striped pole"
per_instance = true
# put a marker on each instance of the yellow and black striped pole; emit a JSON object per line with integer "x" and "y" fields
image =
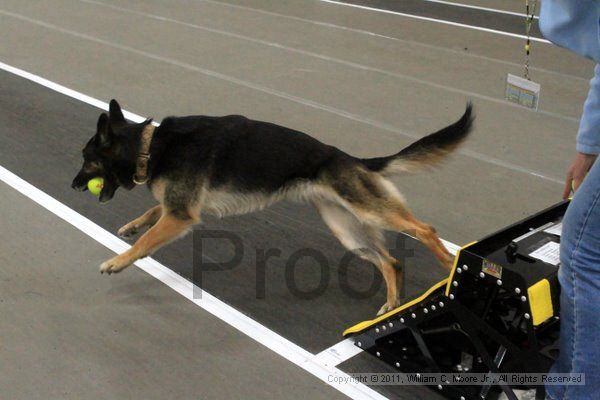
{"x": 529, "y": 16}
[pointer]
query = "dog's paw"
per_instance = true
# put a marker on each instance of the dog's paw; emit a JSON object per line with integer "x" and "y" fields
{"x": 114, "y": 265}
{"x": 128, "y": 231}
{"x": 387, "y": 307}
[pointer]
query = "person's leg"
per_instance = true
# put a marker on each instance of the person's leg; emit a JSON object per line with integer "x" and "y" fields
{"x": 579, "y": 277}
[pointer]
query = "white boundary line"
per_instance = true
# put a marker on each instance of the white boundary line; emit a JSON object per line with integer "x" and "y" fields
{"x": 338, "y": 353}
{"x": 263, "y": 335}
{"x": 494, "y": 10}
{"x": 441, "y": 21}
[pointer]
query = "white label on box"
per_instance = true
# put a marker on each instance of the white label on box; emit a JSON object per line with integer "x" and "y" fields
{"x": 555, "y": 229}
{"x": 550, "y": 253}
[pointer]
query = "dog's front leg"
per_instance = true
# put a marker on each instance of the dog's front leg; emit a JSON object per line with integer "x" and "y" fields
{"x": 149, "y": 218}
{"x": 168, "y": 228}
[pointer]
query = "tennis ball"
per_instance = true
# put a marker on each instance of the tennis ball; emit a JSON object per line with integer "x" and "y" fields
{"x": 95, "y": 185}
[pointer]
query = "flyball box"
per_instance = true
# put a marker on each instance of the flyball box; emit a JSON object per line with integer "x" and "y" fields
{"x": 497, "y": 312}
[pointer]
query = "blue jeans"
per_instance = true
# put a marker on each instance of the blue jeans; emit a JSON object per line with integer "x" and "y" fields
{"x": 579, "y": 277}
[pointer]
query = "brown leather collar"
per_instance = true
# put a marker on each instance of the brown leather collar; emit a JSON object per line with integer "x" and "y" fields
{"x": 141, "y": 166}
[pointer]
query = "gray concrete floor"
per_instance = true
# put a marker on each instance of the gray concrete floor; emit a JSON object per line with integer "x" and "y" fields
{"x": 67, "y": 333}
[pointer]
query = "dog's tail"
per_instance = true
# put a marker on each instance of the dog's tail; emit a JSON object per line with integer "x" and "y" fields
{"x": 426, "y": 152}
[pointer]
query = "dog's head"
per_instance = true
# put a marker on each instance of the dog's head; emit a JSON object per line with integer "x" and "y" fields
{"x": 110, "y": 153}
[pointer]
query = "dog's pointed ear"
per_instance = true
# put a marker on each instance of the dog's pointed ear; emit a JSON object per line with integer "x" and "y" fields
{"x": 104, "y": 132}
{"x": 115, "y": 113}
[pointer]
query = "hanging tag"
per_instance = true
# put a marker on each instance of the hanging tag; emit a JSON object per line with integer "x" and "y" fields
{"x": 522, "y": 91}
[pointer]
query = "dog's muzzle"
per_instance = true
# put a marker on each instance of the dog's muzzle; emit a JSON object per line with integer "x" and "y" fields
{"x": 79, "y": 184}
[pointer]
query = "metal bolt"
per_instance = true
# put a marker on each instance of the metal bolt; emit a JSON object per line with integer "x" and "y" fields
{"x": 441, "y": 304}
{"x": 527, "y": 316}
{"x": 481, "y": 275}
{"x": 455, "y": 284}
{"x": 432, "y": 308}
{"x": 378, "y": 354}
{"x": 440, "y": 387}
{"x": 413, "y": 315}
{"x": 425, "y": 310}
{"x": 517, "y": 290}
{"x": 398, "y": 364}
{"x": 359, "y": 344}
{"x": 391, "y": 325}
{"x": 451, "y": 296}
{"x": 523, "y": 299}
{"x": 401, "y": 320}
{"x": 383, "y": 327}
{"x": 499, "y": 282}
{"x": 462, "y": 398}
{"x": 458, "y": 270}
{"x": 418, "y": 375}
{"x": 376, "y": 330}
{"x": 465, "y": 267}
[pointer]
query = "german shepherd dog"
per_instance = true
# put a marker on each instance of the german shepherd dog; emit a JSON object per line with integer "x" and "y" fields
{"x": 234, "y": 165}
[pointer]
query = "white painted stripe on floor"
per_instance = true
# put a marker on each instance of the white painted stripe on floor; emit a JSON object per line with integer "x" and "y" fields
{"x": 338, "y": 353}
{"x": 68, "y": 92}
{"x": 440, "y": 21}
{"x": 263, "y": 335}
{"x": 494, "y": 10}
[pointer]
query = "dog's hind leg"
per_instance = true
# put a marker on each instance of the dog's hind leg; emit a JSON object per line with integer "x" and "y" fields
{"x": 365, "y": 241}
{"x": 149, "y": 218}
{"x": 375, "y": 200}
{"x": 168, "y": 228}
{"x": 397, "y": 217}
{"x": 428, "y": 236}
